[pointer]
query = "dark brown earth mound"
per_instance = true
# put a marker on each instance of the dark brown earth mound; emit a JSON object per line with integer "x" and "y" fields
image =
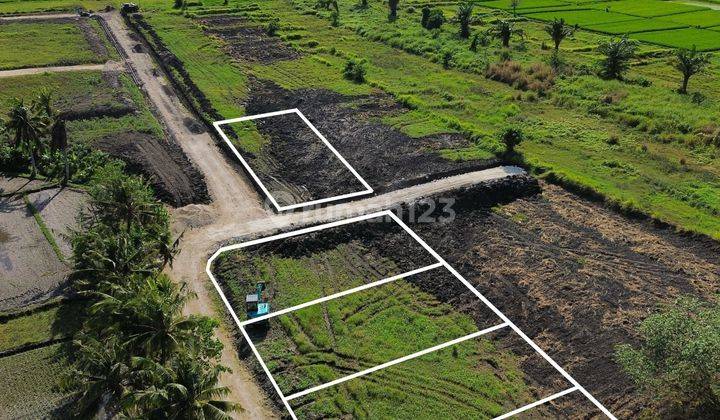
{"x": 574, "y": 276}
{"x": 386, "y": 158}
{"x": 175, "y": 180}
{"x": 247, "y": 43}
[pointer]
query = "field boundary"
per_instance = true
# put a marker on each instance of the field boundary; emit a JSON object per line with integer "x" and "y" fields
{"x": 506, "y": 322}
{"x": 279, "y": 208}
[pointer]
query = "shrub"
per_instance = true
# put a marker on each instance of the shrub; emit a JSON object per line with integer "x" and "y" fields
{"x": 272, "y": 27}
{"x": 618, "y": 53}
{"x": 355, "y": 70}
{"x": 538, "y": 77}
{"x": 678, "y": 360}
{"x": 432, "y": 18}
{"x": 511, "y": 137}
{"x": 447, "y": 59}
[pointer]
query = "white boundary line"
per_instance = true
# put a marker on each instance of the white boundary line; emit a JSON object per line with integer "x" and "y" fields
{"x": 536, "y": 403}
{"x": 388, "y": 213}
{"x": 279, "y": 208}
{"x": 343, "y": 293}
{"x": 396, "y": 361}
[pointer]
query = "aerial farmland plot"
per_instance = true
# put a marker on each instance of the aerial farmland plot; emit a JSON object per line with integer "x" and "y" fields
{"x": 420, "y": 210}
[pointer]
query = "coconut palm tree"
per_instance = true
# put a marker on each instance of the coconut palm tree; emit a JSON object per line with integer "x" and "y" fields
{"x": 689, "y": 63}
{"x": 127, "y": 200}
{"x": 26, "y": 128}
{"x": 464, "y": 14}
{"x": 558, "y": 31}
{"x": 618, "y": 53}
{"x": 393, "y": 5}
{"x": 98, "y": 377}
{"x": 187, "y": 390}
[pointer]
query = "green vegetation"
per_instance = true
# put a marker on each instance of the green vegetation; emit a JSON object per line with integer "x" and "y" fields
{"x": 355, "y": 70}
{"x": 689, "y": 63}
{"x": 617, "y": 55}
{"x": 678, "y": 361}
{"x": 359, "y": 330}
{"x": 137, "y": 354}
{"x": 53, "y": 44}
{"x": 566, "y": 131}
{"x": 44, "y": 229}
{"x": 456, "y": 382}
{"x": 29, "y": 386}
{"x": 47, "y": 323}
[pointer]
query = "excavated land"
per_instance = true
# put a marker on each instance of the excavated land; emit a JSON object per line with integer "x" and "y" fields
{"x": 385, "y": 157}
{"x": 336, "y": 259}
{"x": 247, "y": 43}
{"x": 575, "y": 276}
{"x": 174, "y": 178}
{"x": 295, "y": 165}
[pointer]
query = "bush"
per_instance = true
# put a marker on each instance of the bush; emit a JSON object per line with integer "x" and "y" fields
{"x": 272, "y": 27}
{"x": 355, "y": 70}
{"x": 432, "y": 18}
{"x": 678, "y": 360}
{"x": 511, "y": 137}
{"x": 538, "y": 77}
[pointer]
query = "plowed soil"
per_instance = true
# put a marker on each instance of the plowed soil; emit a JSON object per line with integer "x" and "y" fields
{"x": 174, "y": 178}
{"x": 385, "y": 157}
{"x": 576, "y": 277}
{"x": 247, "y": 43}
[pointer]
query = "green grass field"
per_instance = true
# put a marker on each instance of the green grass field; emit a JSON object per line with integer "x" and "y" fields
{"x": 645, "y": 8}
{"x": 637, "y": 25}
{"x": 9, "y": 7}
{"x": 702, "y": 19}
{"x": 29, "y": 385}
{"x": 53, "y": 44}
{"x": 703, "y": 39}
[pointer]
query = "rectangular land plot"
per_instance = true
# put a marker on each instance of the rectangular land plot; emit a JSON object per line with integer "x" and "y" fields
{"x": 646, "y": 8}
{"x": 311, "y": 265}
{"x": 287, "y": 136}
{"x": 703, "y": 39}
{"x": 480, "y": 378}
{"x": 637, "y": 25}
{"x": 581, "y": 17}
{"x": 57, "y": 42}
{"x": 332, "y": 339}
{"x": 701, "y": 19}
{"x": 439, "y": 289}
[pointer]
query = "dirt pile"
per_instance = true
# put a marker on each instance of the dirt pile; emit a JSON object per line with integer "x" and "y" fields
{"x": 175, "y": 179}
{"x": 385, "y": 157}
{"x": 574, "y": 276}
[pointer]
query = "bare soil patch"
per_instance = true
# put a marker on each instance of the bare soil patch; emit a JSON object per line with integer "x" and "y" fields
{"x": 59, "y": 209}
{"x": 29, "y": 269}
{"x": 175, "y": 179}
{"x": 296, "y": 166}
{"x": 575, "y": 276}
{"x": 10, "y": 185}
{"x": 247, "y": 43}
{"x": 386, "y": 158}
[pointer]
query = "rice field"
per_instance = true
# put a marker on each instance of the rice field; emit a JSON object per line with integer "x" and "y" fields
{"x": 645, "y": 8}
{"x": 703, "y": 39}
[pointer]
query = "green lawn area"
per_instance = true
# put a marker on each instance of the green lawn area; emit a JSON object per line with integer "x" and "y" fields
{"x": 24, "y": 44}
{"x": 29, "y": 385}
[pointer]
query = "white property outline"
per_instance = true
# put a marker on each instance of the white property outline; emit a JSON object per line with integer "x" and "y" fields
{"x": 279, "y": 208}
{"x": 387, "y": 213}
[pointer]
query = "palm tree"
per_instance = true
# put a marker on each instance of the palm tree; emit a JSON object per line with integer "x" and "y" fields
{"x": 168, "y": 251}
{"x": 514, "y": 5}
{"x": 98, "y": 377}
{"x": 187, "y": 390}
{"x": 618, "y": 53}
{"x": 464, "y": 14}
{"x": 126, "y": 200}
{"x": 504, "y": 30}
{"x": 155, "y": 319}
{"x": 689, "y": 63}
{"x": 558, "y": 31}
{"x": 26, "y": 128}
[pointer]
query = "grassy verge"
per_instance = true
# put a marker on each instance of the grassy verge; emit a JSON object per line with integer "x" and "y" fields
{"x": 44, "y": 229}
{"x": 47, "y": 323}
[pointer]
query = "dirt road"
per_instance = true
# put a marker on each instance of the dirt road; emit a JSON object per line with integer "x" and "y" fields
{"x": 110, "y": 65}
{"x": 237, "y": 210}
{"x": 41, "y": 17}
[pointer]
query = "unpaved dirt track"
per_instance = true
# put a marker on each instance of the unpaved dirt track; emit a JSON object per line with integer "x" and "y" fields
{"x": 237, "y": 210}
{"x": 41, "y": 17}
{"x": 110, "y": 65}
